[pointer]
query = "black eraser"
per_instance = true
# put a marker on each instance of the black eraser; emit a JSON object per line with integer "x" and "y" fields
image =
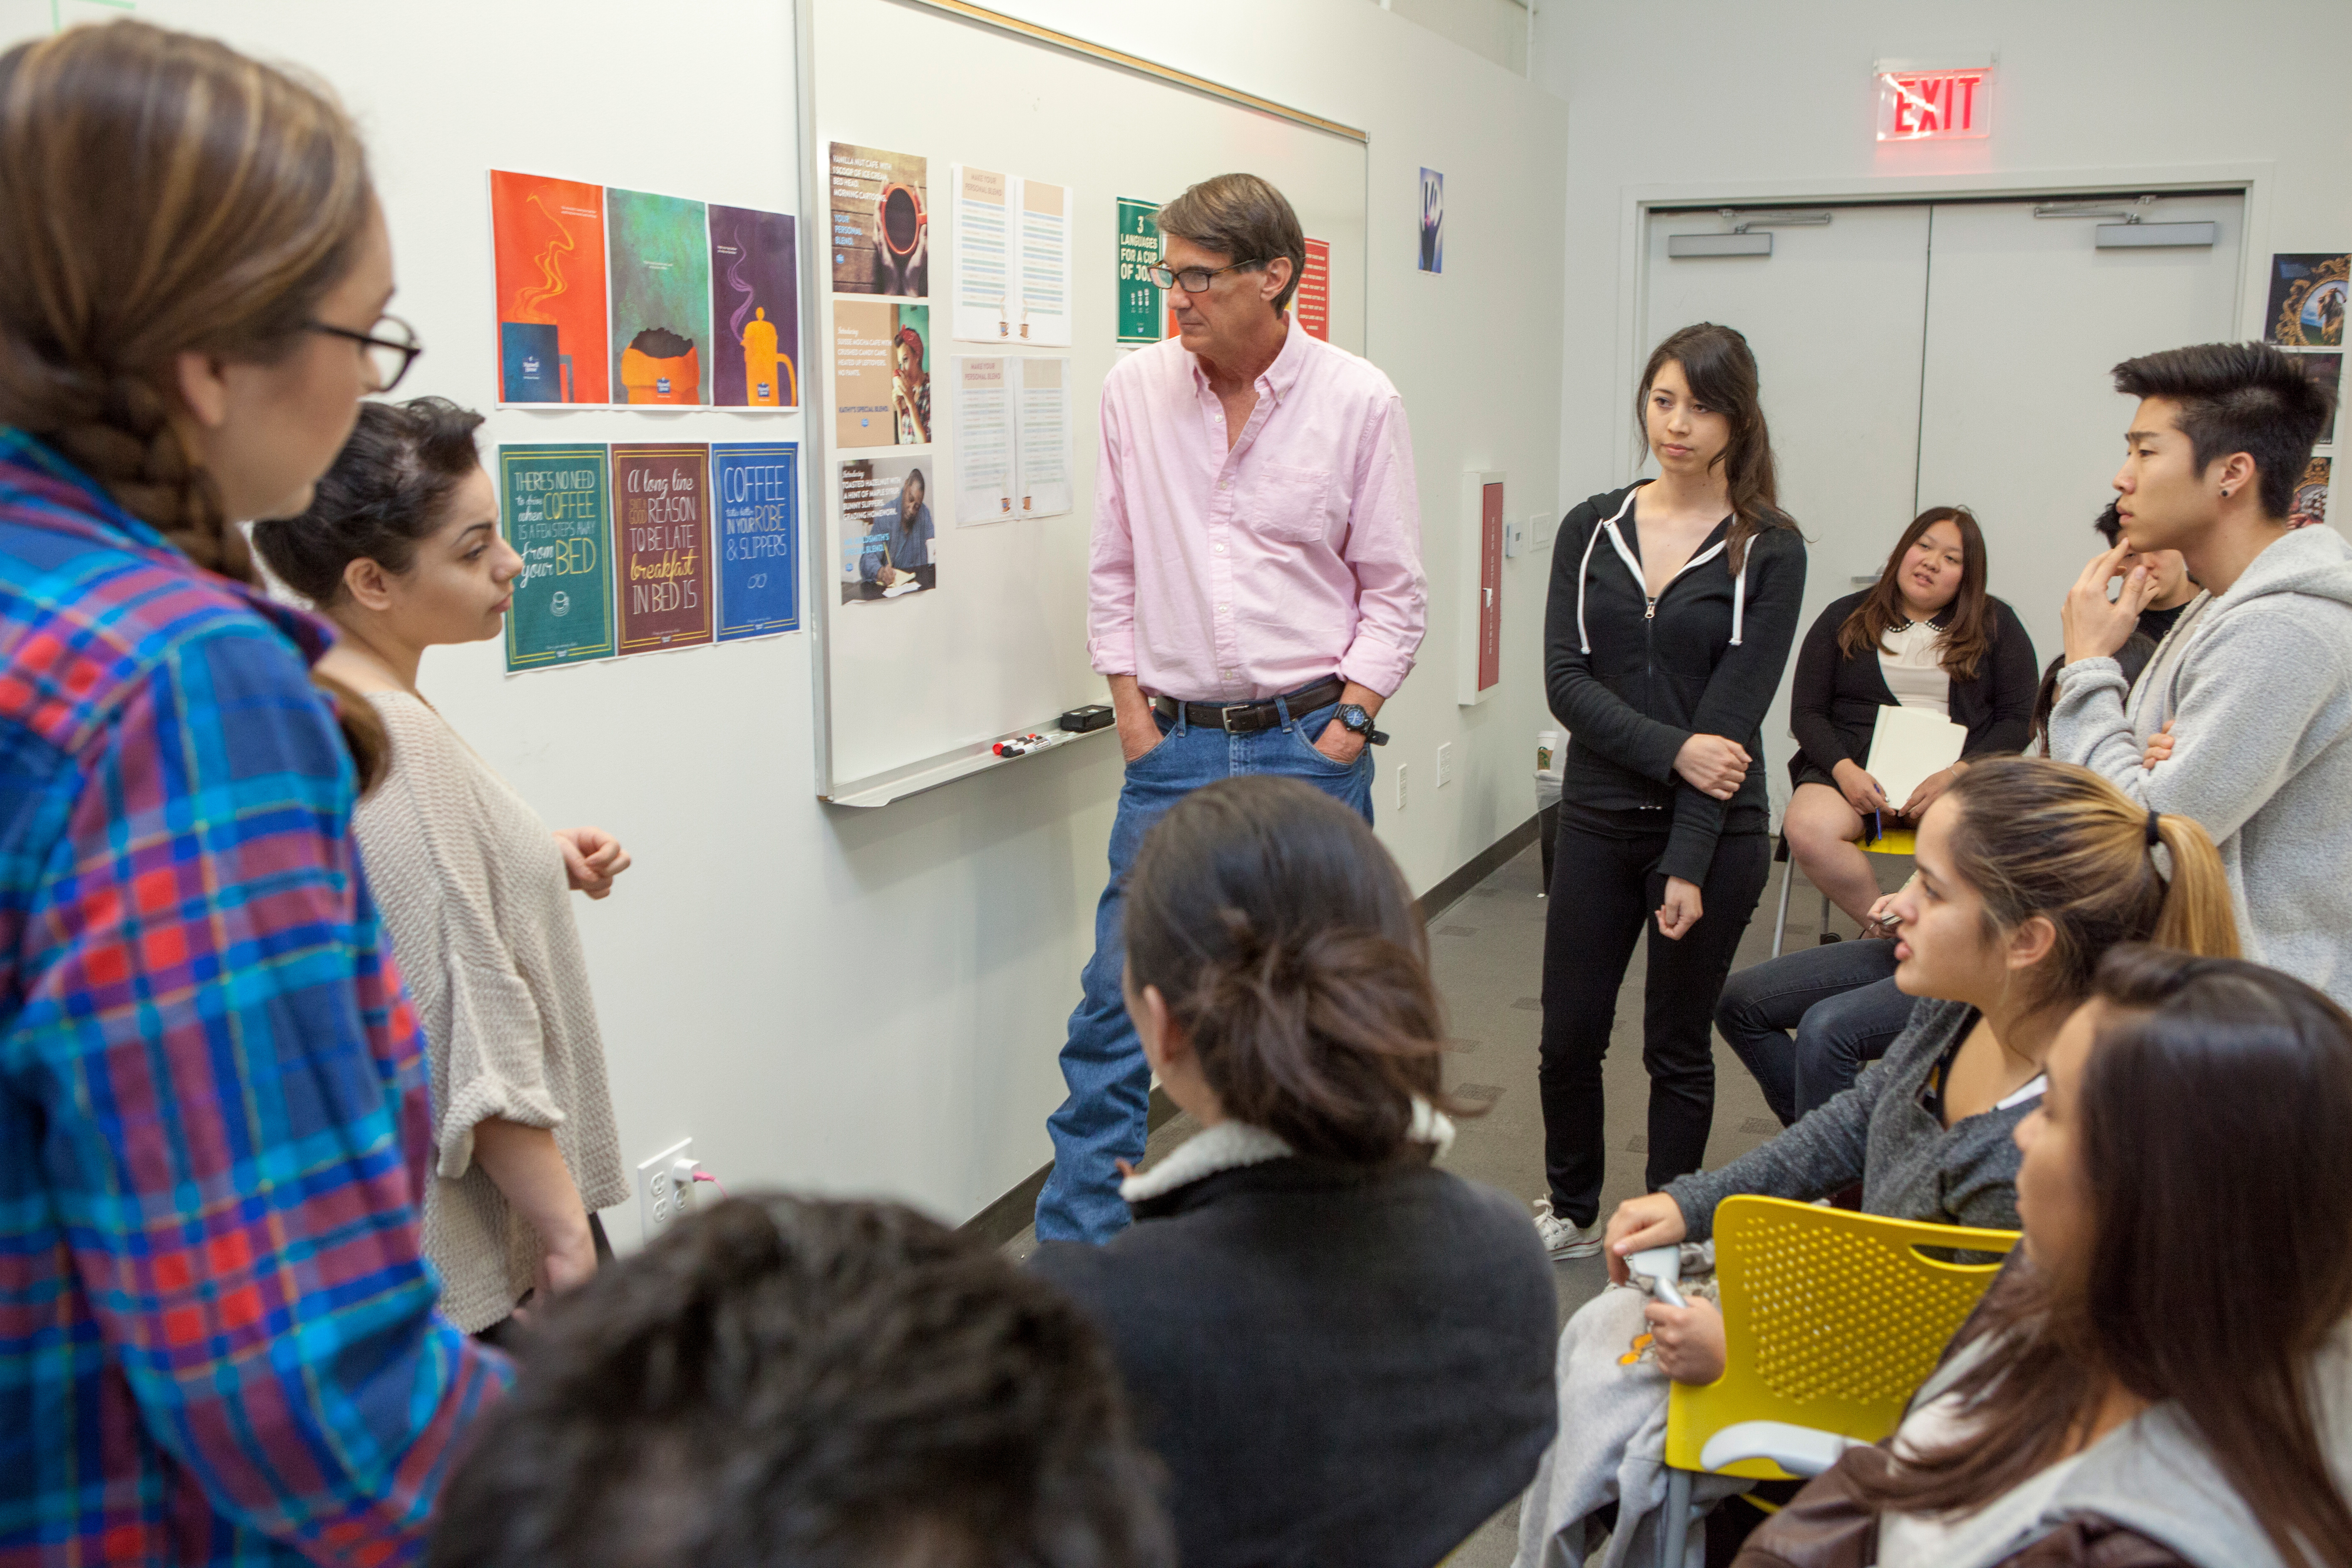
{"x": 1093, "y": 716}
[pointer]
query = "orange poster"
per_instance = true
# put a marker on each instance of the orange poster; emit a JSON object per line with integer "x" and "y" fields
{"x": 549, "y": 239}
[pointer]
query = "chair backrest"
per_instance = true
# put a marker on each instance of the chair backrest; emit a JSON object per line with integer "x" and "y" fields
{"x": 1894, "y": 841}
{"x": 1833, "y": 1320}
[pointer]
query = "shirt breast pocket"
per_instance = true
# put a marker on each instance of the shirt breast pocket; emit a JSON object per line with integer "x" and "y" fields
{"x": 1294, "y": 505}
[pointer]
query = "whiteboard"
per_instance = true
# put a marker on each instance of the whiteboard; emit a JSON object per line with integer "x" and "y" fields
{"x": 911, "y": 692}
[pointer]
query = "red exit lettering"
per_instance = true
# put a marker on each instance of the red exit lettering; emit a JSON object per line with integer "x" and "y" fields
{"x": 1929, "y": 106}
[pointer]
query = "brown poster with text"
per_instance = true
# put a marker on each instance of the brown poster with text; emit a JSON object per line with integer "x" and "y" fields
{"x": 661, "y": 554}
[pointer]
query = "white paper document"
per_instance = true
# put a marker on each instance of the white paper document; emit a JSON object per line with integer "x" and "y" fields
{"x": 1908, "y": 744}
{"x": 1043, "y": 435}
{"x": 984, "y": 441}
{"x": 1011, "y": 259}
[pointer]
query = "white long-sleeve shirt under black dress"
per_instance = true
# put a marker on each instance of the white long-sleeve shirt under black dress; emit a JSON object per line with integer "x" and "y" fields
{"x": 1632, "y": 678}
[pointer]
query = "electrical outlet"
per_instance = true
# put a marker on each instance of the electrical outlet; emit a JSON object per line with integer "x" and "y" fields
{"x": 1446, "y": 764}
{"x": 660, "y": 1198}
{"x": 1401, "y": 772}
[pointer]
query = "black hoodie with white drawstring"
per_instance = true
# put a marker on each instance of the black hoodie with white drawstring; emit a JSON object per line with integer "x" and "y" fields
{"x": 1632, "y": 680}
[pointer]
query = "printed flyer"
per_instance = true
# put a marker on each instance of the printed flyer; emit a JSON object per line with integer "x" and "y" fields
{"x": 886, "y": 533}
{"x": 2307, "y": 301}
{"x": 881, "y": 222}
{"x": 661, "y": 533}
{"x": 1312, "y": 302}
{"x": 553, "y": 506}
{"x": 754, "y": 310}
{"x": 547, "y": 240}
{"x": 1140, "y": 302}
{"x": 983, "y": 279}
{"x": 984, "y": 441}
{"x": 1044, "y": 263}
{"x": 881, "y": 374}
{"x": 660, "y": 264}
{"x": 2310, "y": 495}
{"x": 758, "y": 487}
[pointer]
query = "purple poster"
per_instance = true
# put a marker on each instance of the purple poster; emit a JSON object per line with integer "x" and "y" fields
{"x": 754, "y": 310}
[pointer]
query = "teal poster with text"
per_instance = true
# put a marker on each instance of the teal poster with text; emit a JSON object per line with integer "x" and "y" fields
{"x": 555, "y": 504}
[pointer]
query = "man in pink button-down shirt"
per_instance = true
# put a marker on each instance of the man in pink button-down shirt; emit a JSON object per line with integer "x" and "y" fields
{"x": 1255, "y": 595}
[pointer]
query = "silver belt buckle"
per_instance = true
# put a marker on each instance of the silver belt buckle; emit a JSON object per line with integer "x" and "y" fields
{"x": 1225, "y": 714}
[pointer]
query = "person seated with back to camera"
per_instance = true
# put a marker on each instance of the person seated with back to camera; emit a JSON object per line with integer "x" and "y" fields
{"x": 804, "y": 1382}
{"x": 2162, "y": 1377}
{"x": 2028, "y": 872}
{"x": 1840, "y": 999}
{"x": 1340, "y": 1352}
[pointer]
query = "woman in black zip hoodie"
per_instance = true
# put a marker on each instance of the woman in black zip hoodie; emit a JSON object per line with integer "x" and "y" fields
{"x": 1674, "y": 603}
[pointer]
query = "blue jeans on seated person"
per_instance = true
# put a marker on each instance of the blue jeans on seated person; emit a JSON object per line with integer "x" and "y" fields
{"x": 1840, "y": 1000}
{"x": 1105, "y": 1118}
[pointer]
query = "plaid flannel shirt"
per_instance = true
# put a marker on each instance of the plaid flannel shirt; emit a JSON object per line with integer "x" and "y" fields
{"x": 217, "y": 1340}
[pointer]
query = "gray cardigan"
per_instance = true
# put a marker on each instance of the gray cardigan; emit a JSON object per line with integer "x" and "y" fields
{"x": 1911, "y": 1165}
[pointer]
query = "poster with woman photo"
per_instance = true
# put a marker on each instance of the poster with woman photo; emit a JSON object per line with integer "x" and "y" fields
{"x": 887, "y": 532}
{"x": 881, "y": 374}
{"x": 881, "y": 236}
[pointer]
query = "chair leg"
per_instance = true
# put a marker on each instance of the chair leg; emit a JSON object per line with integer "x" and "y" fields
{"x": 1674, "y": 1521}
{"x": 1780, "y": 919}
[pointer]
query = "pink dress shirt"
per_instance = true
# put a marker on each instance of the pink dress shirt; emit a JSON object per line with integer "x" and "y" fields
{"x": 1235, "y": 575}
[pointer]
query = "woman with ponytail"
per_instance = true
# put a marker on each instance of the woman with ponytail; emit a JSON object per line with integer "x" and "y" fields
{"x": 1341, "y": 1353}
{"x": 212, "y": 1097}
{"x": 2028, "y": 872}
{"x": 2163, "y": 1378}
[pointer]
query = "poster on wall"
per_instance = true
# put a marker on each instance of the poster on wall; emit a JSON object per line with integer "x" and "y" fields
{"x": 1432, "y": 221}
{"x": 660, "y": 264}
{"x": 879, "y": 204}
{"x": 2310, "y": 495}
{"x": 547, "y": 242}
{"x": 2327, "y": 372}
{"x": 758, "y": 506}
{"x": 983, "y": 275}
{"x": 1043, "y": 438}
{"x": 983, "y": 490}
{"x": 2307, "y": 301}
{"x": 1044, "y": 279}
{"x": 881, "y": 374}
{"x": 1140, "y": 307}
{"x": 1312, "y": 303}
{"x": 551, "y": 505}
{"x": 887, "y": 534}
{"x": 661, "y": 531}
{"x": 754, "y": 310}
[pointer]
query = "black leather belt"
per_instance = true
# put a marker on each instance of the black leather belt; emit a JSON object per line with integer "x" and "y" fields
{"x": 1245, "y": 717}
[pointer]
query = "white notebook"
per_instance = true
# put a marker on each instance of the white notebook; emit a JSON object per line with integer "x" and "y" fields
{"x": 1908, "y": 744}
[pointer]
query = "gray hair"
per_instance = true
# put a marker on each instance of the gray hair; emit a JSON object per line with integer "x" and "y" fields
{"x": 1242, "y": 216}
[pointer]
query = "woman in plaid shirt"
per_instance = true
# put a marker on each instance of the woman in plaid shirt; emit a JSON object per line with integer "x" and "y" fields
{"x": 217, "y": 1340}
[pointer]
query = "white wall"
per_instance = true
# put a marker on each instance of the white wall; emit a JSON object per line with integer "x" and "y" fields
{"x": 1720, "y": 98}
{"x": 872, "y": 1000}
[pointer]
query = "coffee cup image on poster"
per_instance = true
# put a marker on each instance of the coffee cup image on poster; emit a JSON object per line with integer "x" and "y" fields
{"x": 659, "y": 260}
{"x": 553, "y": 507}
{"x": 881, "y": 374}
{"x": 879, "y": 204}
{"x": 547, "y": 241}
{"x": 888, "y": 539}
{"x": 754, "y": 310}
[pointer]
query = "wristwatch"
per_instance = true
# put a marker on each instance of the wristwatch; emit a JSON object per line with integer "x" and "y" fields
{"x": 1351, "y": 716}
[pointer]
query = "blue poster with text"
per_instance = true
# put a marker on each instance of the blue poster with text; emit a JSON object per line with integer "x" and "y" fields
{"x": 758, "y": 487}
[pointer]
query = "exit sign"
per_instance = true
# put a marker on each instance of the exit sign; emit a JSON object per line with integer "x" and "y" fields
{"x": 1933, "y": 105}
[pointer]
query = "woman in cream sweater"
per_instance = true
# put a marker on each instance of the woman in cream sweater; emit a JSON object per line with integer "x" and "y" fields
{"x": 401, "y": 550}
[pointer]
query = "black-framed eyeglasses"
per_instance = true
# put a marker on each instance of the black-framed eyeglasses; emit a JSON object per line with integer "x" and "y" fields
{"x": 391, "y": 347}
{"x": 1192, "y": 279}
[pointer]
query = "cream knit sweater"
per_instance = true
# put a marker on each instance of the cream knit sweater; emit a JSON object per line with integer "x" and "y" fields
{"x": 473, "y": 889}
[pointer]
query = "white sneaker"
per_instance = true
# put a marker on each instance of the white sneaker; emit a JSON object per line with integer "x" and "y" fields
{"x": 1562, "y": 1239}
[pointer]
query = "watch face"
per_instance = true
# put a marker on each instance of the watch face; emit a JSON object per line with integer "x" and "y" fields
{"x": 1354, "y": 717}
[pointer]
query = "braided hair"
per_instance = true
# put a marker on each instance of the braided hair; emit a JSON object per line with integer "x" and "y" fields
{"x": 161, "y": 194}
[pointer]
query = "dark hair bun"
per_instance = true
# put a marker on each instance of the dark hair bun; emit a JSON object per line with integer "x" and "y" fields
{"x": 385, "y": 493}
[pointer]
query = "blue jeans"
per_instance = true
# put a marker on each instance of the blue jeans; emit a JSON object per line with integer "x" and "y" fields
{"x": 1103, "y": 1119}
{"x": 1840, "y": 1000}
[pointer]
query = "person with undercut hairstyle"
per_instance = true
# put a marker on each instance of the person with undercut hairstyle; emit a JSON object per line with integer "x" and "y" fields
{"x": 2243, "y": 719}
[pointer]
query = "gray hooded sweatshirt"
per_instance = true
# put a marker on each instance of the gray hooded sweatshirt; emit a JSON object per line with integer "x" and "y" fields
{"x": 2259, "y": 683}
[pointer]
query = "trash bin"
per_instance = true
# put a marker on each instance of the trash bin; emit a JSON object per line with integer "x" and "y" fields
{"x": 1548, "y": 766}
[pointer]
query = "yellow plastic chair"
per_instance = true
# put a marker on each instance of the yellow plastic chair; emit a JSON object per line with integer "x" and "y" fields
{"x": 1833, "y": 1320}
{"x": 1894, "y": 841}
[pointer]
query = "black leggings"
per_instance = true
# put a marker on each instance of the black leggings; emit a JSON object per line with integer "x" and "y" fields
{"x": 1604, "y": 894}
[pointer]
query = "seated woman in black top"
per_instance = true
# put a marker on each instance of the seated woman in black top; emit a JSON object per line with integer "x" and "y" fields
{"x": 1925, "y": 635}
{"x": 1343, "y": 1353}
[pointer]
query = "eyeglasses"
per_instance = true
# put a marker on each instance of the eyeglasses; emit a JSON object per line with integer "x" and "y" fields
{"x": 1192, "y": 279}
{"x": 390, "y": 349}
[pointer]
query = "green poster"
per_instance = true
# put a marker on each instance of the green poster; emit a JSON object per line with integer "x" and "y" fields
{"x": 1140, "y": 307}
{"x": 660, "y": 270}
{"x": 555, "y": 502}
